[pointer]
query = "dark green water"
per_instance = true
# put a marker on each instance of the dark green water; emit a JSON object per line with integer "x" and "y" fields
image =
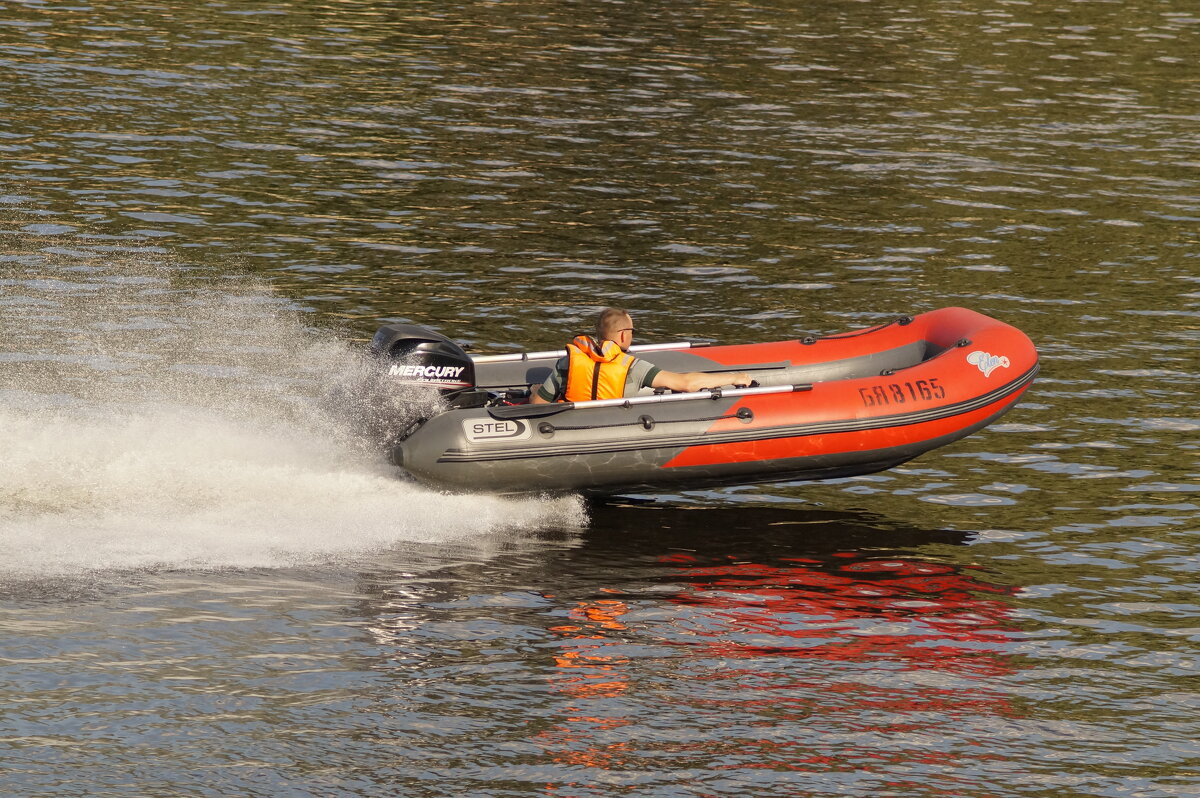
{"x": 207, "y": 589}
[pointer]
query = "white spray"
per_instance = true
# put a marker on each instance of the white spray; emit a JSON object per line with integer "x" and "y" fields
{"x": 151, "y": 422}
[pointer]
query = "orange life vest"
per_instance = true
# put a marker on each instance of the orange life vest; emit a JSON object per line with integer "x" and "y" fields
{"x": 595, "y": 371}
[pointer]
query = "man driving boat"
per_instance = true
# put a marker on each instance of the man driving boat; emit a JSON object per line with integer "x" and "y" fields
{"x": 601, "y": 367}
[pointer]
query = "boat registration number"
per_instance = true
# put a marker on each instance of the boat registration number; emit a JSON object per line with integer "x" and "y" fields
{"x": 900, "y": 393}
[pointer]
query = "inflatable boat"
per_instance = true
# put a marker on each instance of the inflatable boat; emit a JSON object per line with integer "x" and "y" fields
{"x": 820, "y": 407}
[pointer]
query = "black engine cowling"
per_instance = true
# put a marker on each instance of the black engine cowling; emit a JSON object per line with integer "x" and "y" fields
{"x": 416, "y": 356}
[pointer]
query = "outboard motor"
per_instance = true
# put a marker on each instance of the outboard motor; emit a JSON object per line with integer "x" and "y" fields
{"x": 415, "y": 356}
{"x": 418, "y": 374}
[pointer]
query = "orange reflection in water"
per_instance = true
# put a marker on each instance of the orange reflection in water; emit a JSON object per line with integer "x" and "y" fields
{"x": 586, "y": 670}
{"x": 916, "y": 613}
{"x": 588, "y": 676}
{"x": 894, "y": 615}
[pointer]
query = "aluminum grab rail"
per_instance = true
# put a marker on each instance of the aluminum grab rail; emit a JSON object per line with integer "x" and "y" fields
{"x": 522, "y": 356}
{"x": 553, "y": 408}
{"x": 707, "y": 393}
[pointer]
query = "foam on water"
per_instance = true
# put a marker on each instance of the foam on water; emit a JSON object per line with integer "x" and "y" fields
{"x": 149, "y": 424}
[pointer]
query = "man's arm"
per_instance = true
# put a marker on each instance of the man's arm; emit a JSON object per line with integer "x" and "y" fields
{"x": 689, "y": 381}
{"x": 549, "y": 390}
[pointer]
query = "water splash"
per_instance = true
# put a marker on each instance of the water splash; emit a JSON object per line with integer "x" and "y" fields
{"x": 153, "y": 420}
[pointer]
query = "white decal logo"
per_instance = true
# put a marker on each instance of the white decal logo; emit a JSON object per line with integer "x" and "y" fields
{"x": 486, "y": 429}
{"x": 987, "y": 362}
{"x": 427, "y": 372}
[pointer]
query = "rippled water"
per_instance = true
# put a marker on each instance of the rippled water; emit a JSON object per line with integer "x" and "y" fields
{"x": 210, "y": 586}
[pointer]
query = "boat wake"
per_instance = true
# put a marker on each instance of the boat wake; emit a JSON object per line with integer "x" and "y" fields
{"x": 154, "y": 423}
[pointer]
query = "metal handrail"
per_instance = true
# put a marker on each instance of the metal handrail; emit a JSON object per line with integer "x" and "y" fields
{"x": 553, "y": 408}
{"x": 707, "y": 393}
{"x": 517, "y": 357}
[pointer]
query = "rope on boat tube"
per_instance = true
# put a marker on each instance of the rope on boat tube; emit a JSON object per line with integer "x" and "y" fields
{"x": 646, "y": 422}
{"x": 903, "y": 321}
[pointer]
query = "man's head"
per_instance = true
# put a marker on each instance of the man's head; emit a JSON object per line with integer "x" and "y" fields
{"x": 615, "y": 325}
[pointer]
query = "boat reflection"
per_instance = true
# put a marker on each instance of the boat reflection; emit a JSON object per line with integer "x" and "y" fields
{"x": 848, "y": 605}
{"x": 763, "y": 617}
{"x": 772, "y": 639}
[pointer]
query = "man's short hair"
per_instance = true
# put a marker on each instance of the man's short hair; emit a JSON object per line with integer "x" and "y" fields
{"x": 611, "y": 320}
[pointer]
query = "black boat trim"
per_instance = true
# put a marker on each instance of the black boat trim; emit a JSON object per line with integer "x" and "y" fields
{"x": 737, "y": 436}
{"x": 531, "y": 410}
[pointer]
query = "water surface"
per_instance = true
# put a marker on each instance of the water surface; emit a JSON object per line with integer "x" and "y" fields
{"x": 210, "y": 586}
